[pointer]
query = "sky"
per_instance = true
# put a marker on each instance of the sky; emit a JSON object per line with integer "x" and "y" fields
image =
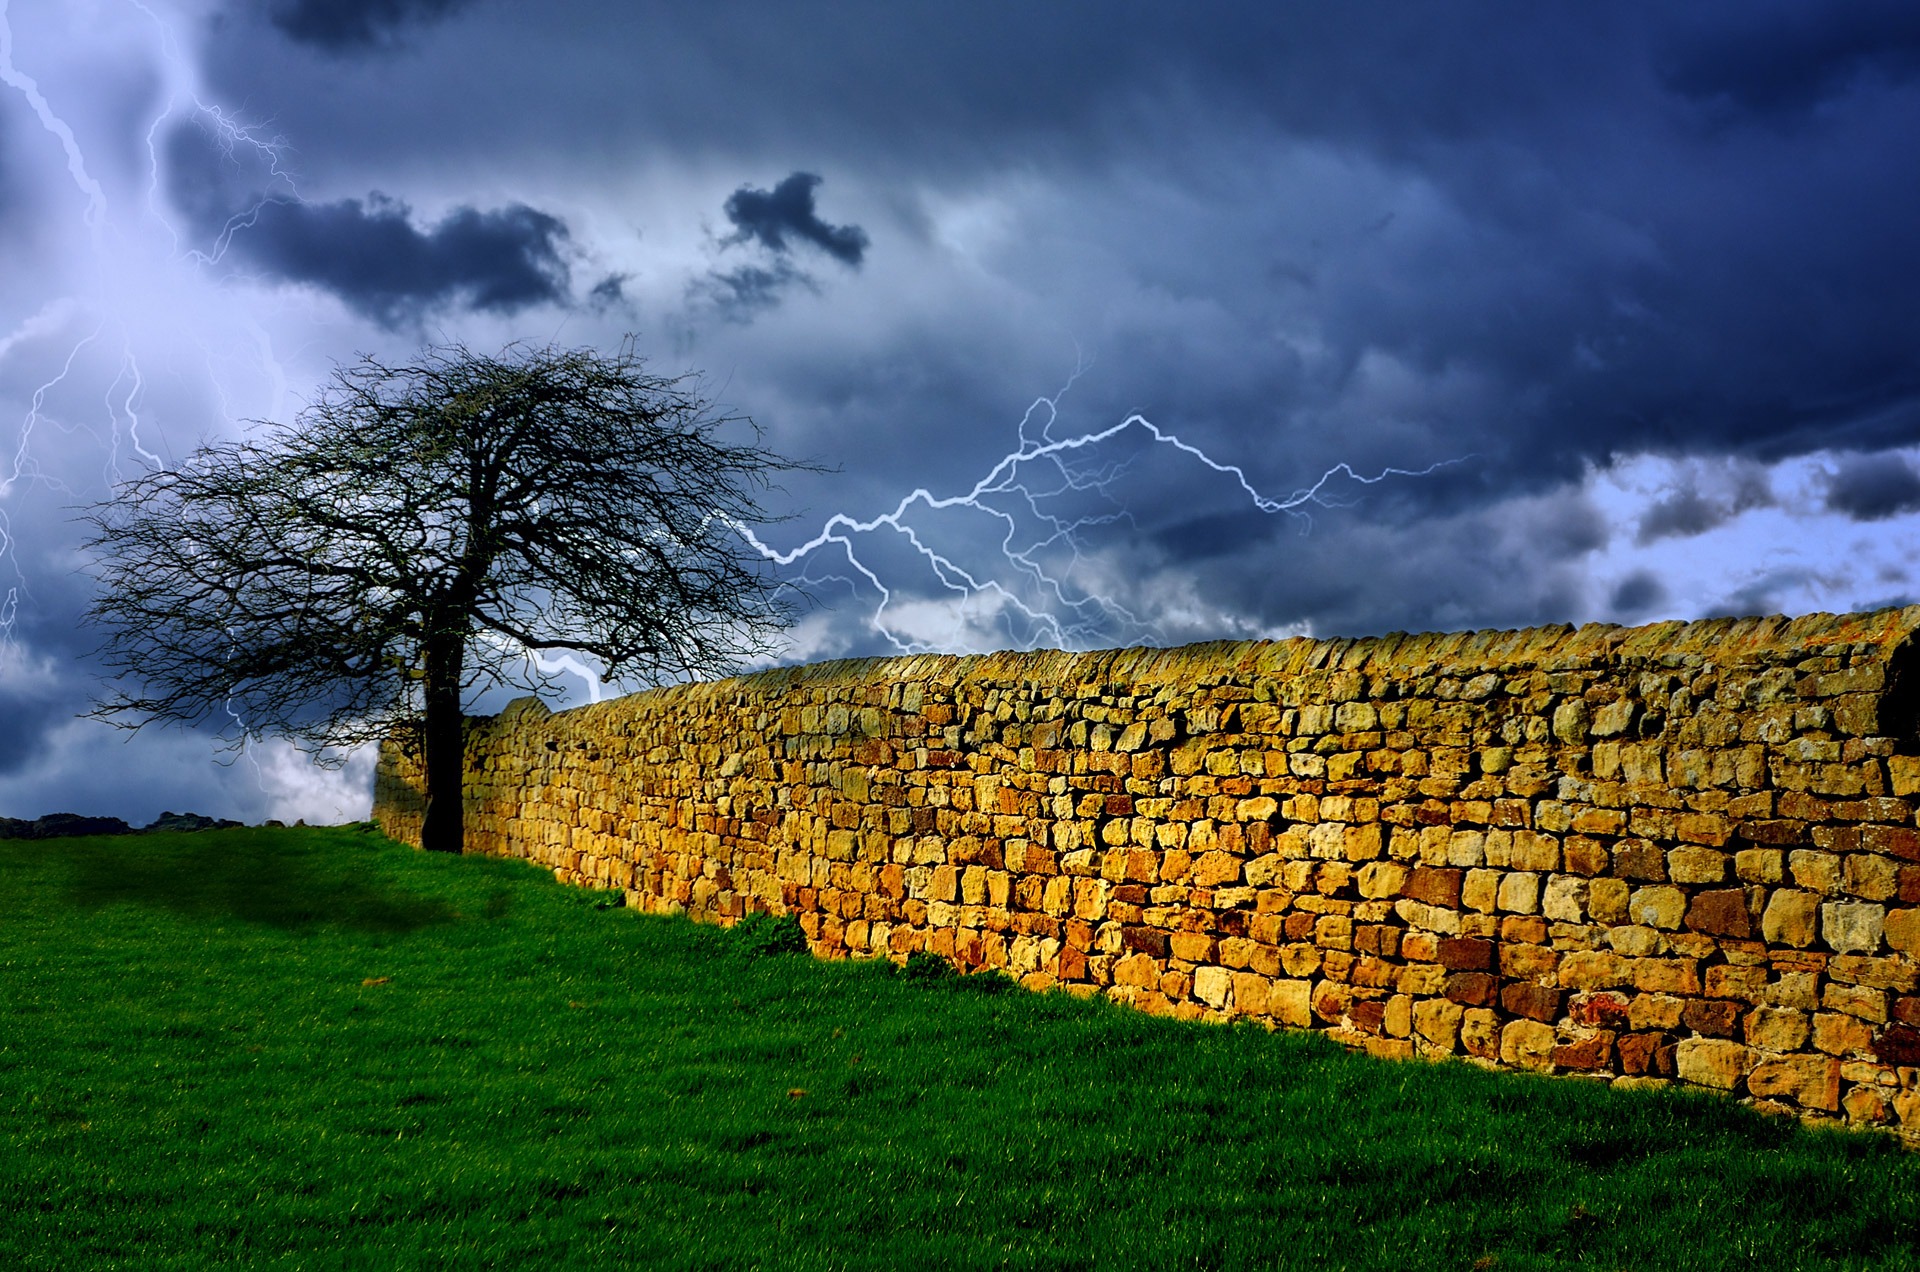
{"x": 1106, "y": 324}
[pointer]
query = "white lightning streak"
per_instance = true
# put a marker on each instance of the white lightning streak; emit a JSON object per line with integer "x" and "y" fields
{"x": 1065, "y": 620}
{"x": 13, "y": 77}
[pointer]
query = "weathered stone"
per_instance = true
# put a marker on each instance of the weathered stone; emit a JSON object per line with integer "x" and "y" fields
{"x": 1465, "y": 954}
{"x": 1433, "y": 886}
{"x": 1711, "y": 1062}
{"x": 1655, "y": 1011}
{"x": 1852, "y": 927}
{"x": 1812, "y": 1082}
{"x": 1760, "y": 865}
{"x": 1213, "y": 986}
{"x": 1471, "y": 989}
{"x": 1696, "y": 865}
{"x": 1856, "y": 1000}
{"x": 1290, "y": 1002}
{"x": 1535, "y": 1002}
{"x": 1380, "y": 879}
{"x": 1790, "y": 918}
{"x": 1520, "y": 893}
{"x": 1480, "y": 890}
{"x": 1659, "y": 907}
{"x": 1607, "y": 900}
{"x": 1480, "y": 1033}
{"x": 1902, "y": 931}
{"x": 1815, "y": 871}
{"x": 1565, "y": 899}
{"x": 1594, "y": 969}
{"x": 1570, "y": 721}
{"x": 1870, "y": 877}
{"x": 1777, "y": 1029}
{"x": 1527, "y": 1044}
{"x": 1716, "y": 1019}
{"x": 1722, "y": 913}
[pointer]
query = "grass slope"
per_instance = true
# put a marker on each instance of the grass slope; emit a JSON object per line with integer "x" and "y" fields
{"x": 313, "y": 1049}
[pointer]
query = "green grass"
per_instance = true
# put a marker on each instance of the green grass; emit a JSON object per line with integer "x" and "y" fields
{"x": 314, "y": 1049}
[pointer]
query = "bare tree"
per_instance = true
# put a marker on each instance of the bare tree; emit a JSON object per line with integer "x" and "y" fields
{"x": 425, "y": 530}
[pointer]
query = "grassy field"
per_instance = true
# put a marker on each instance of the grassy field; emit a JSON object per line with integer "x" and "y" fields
{"x": 314, "y": 1049}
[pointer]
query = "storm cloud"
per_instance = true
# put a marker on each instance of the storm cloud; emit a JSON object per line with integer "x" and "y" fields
{"x": 381, "y": 264}
{"x": 773, "y": 217}
{"x": 1874, "y": 487}
{"x": 351, "y": 26}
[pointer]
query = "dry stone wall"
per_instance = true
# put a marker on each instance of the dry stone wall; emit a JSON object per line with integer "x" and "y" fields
{"x": 1669, "y": 853}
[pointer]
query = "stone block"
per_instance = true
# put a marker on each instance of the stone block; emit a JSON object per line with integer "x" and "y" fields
{"x": 1480, "y": 1033}
{"x": 1528, "y": 962}
{"x": 1638, "y": 942}
{"x": 1716, "y": 1018}
{"x": 1721, "y": 912}
{"x": 1460, "y": 954}
{"x": 1381, "y": 879}
{"x": 1290, "y": 1002}
{"x": 1862, "y": 1001}
{"x": 1639, "y": 860}
{"x": 1471, "y": 989}
{"x": 1520, "y": 892}
{"x": 1696, "y": 865}
{"x": 1815, "y": 871}
{"x": 1655, "y": 1011}
{"x": 1667, "y": 975}
{"x": 1813, "y": 1082}
{"x": 1213, "y": 986}
{"x": 1760, "y": 865}
{"x": 1438, "y": 1021}
{"x": 1869, "y": 877}
{"x": 1594, "y": 969}
{"x": 1606, "y": 1009}
{"x": 1658, "y": 907}
{"x": 1711, "y": 1062}
{"x": 1902, "y": 931}
{"x": 1852, "y": 927}
{"x": 1881, "y": 973}
{"x": 1777, "y": 1029}
{"x": 1434, "y": 885}
{"x": 1607, "y": 900}
{"x": 1841, "y": 1035}
{"x": 1565, "y": 899}
{"x": 1637, "y": 1052}
{"x": 1535, "y": 1002}
{"x": 1527, "y": 1044}
{"x": 1790, "y": 918}
{"x": 1480, "y": 891}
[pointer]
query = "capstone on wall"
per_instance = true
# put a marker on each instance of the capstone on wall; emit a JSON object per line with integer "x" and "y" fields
{"x": 1675, "y": 852}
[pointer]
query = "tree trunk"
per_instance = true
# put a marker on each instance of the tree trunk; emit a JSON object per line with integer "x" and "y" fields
{"x": 443, "y": 740}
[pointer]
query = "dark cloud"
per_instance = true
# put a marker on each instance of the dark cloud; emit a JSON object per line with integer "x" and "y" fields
{"x": 352, "y": 26}
{"x": 1873, "y": 487}
{"x": 374, "y": 258}
{"x": 1636, "y": 594}
{"x": 771, "y": 217}
{"x": 739, "y": 294}
{"x": 1739, "y": 487}
{"x": 1680, "y": 515}
{"x": 1777, "y": 59}
{"x": 609, "y": 291}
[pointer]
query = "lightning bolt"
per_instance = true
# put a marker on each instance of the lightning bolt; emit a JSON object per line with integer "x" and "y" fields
{"x": 11, "y": 75}
{"x": 1036, "y": 603}
{"x": 103, "y": 312}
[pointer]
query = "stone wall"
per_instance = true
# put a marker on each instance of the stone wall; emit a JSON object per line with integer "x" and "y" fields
{"x": 1676, "y": 852}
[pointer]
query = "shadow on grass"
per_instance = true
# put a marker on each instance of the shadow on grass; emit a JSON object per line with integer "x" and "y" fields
{"x": 257, "y": 877}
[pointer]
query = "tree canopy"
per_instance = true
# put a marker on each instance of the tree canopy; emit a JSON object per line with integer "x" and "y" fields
{"x": 427, "y": 529}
